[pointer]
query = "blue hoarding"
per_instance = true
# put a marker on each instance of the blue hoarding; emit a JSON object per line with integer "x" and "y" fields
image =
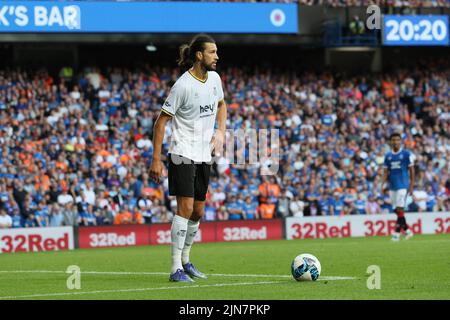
{"x": 420, "y": 30}
{"x": 138, "y": 17}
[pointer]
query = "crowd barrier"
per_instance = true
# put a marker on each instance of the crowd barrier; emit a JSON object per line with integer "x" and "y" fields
{"x": 68, "y": 238}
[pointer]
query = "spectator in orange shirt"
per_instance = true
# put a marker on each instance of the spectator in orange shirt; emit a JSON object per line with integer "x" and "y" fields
{"x": 267, "y": 211}
{"x": 138, "y": 218}
{"x": 269, "y": 190}
{"x": 264, "y": 190}
{"x": 124, "y": 216}
{"x": 388, "y": 88}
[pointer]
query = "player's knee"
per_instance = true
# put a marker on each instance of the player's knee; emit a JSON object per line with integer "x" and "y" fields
{"x": 185, "y": 209}
{"x": 197, "y": 215}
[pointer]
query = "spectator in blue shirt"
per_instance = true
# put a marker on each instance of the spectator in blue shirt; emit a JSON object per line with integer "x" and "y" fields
{"x": 17, "y": 219}
{"x": 336, "y": 204}
{"x": 101, "y": 217}
{"x": 250, "y": 209}
{"x": 324, "y": 203}
{"x": 88, "y": 217}
{"x": 253, "y": 188}
{"x": 56, "y": 217}
{"x": 385, "y": 205}
{"x": 360, "y": 204}
{"x": 210, "y": 212}
{"x": 4, "y": 195}
{"x": 431, "y": 199}
{"x": 234, "y": 209}
{"x": 240, "y": 199}
{"x": 245, "y": 191}
{"x": 30, "y": 221}
{"x": 42, "y": 214}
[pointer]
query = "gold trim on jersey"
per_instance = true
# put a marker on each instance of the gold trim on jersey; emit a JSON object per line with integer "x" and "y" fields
{"x": 167, "y": 112}
{"x": 196, "y": 78}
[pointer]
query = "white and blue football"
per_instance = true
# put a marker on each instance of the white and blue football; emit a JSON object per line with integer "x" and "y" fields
{"x": 306, "y": 267}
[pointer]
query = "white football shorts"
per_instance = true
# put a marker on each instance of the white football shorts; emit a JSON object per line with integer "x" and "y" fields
{"x": 398, "y": 198}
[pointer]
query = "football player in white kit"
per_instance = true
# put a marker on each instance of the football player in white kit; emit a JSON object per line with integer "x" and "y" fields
{"x": 194, "y": 102}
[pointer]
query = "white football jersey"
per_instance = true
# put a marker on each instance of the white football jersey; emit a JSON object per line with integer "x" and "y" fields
{"x": 193, "y": 104}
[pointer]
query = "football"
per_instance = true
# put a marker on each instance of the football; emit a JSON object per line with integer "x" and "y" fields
{"x": 306, "y": 267}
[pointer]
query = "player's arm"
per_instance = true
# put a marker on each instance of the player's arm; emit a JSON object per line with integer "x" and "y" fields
{"x": 222, "y": 115}
{"x": 411, "y": 174}
{"x": 175, "y": 99}
{"x": 158, "y": 137}
{"x": 385, "y": 176}
{"x": 219, "y": 135}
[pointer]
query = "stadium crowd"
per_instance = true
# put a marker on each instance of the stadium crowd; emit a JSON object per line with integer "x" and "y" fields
{"x": 346, "y": 3}
{"x": 338, "y": 3}
{"x": 76, "y": 150}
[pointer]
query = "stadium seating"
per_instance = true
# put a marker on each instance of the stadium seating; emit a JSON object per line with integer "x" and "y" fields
{"x": 339, "y": 3}
{"x": 55, "y": 132}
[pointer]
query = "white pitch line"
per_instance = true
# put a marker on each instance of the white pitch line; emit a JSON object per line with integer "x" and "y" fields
{"x": 139, "y": 289}
{"x": 332, "y": 278}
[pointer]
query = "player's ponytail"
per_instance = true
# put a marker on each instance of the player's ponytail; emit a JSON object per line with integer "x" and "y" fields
{"x": 187, "y": 52}
{"x": 185, "y": 61}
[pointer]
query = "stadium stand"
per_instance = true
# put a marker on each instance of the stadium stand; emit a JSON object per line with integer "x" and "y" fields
{"x": 76, "y": 150}
{"x": 333, "y": 3}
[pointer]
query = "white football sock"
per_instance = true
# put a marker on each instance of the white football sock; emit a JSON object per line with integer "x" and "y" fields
{"x": 192, "y": 228}
{"x": 178, "y": 235}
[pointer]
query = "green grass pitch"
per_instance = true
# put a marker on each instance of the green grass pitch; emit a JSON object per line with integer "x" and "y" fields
{"x": 415, "y": 269}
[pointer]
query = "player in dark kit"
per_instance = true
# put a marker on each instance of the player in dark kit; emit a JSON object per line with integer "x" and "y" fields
{"x": 399, "y": 172}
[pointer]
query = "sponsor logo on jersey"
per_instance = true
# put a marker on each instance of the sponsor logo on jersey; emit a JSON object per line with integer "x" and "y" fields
{"x": 396, "y": 165}
{"x": 207, "y": 108}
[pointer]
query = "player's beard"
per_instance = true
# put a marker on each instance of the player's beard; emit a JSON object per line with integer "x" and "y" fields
{"x": 210, "y": 67}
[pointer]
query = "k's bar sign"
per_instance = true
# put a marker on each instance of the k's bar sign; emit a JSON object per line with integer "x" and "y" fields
{"x": 13, "y": 17}
{"x": 139, "y": 17}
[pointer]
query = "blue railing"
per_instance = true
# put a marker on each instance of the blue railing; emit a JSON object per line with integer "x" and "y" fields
{"x": 335, "y": 35}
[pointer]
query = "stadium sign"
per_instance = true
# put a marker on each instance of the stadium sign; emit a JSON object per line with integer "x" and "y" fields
{"x": 159, "y": 233}
{"x": 36, "y": 239}
{"x": 249, "y": 230}
{"x": 140, "y": 17}
{"x": 113, "y": 236}
{"x": 364, "y": 225}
